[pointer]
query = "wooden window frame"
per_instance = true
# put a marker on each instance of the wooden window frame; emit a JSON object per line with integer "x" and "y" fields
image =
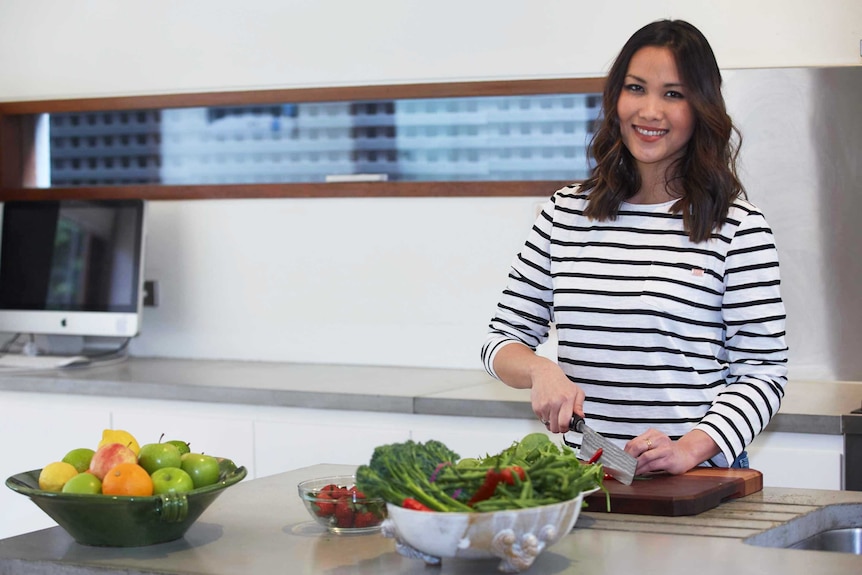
{"x": 16, "y": 142}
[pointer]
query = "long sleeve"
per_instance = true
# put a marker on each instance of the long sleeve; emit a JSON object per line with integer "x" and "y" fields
{"x": 524, "y": 310}
{"x": 755, "y": 348}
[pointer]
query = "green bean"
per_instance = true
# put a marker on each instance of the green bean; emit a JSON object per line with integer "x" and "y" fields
{"x": 552, "y": 474}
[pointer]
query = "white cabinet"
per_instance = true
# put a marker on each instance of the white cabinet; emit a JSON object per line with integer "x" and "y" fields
{"x": 289, "y": 438}
{"x": 212, "y": 429}
{"x": 475, "y": 436}
{"x": 804, "y": 460}
{"x": 36, "y": 430}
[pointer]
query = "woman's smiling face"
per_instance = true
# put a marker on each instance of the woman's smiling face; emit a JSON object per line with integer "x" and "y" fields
{"x": 656, "y": 119}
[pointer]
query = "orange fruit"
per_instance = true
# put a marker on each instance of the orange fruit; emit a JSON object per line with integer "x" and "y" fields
{"x": 127, "y": 479}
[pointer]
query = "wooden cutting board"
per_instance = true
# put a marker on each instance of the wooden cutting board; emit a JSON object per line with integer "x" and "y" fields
{"x": 671, "y": 495}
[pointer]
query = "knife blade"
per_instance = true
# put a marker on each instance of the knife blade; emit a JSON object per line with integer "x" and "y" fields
{"x": 616, "y": 462}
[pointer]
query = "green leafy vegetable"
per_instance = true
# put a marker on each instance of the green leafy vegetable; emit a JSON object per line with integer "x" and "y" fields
{"x": 533, "y": 471}
{"x": 402, "y": 471}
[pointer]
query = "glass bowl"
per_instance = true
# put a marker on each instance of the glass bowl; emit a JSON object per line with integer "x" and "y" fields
{"x": 334, "y": 503}
{"x": 123, "y": 521}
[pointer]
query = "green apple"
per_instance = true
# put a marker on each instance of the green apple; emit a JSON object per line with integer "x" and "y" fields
{"x": 84, "y": 482}
{"x": 155, "y": 456}
{"x": 204, "y": 469}
{"x": 80, "y": 458}
{"x": 183, "y": 446}
{"x": 226, "y": 467}
{"x": 171, "y": 480}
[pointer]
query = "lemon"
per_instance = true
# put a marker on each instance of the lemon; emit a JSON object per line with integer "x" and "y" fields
{"x": 120, "y": 436}
{"x": 55, "y": 475}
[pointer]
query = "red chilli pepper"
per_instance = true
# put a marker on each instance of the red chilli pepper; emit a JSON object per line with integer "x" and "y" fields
{"x": 493, "y": 478}
{"x": 508, "y": 475}
{"x": 410, "y": 503}
{"x": 596, "y": 456}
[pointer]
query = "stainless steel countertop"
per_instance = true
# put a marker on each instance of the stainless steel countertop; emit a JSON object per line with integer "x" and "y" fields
{"x": 261, "y": 527}
{"x": 809, "y": 406}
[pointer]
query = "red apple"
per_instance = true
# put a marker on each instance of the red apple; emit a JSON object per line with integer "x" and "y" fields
{"x": 108, "y": 456}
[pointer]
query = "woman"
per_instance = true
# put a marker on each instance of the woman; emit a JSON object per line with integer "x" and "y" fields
{"x": 661, "y": 279}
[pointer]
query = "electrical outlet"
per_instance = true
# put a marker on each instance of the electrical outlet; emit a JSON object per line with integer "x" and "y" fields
{"x": 151, "y": 293}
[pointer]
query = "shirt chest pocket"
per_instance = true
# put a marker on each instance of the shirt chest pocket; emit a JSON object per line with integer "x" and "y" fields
{"x": 690, "y": 288}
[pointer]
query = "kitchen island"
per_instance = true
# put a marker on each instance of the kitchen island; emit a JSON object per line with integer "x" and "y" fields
{"x": 261, "y": 527}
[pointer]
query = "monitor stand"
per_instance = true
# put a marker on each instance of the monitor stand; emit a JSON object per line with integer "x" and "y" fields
{"x": 74, "y": 345}
{"x": 20, "y": 361}
{"x": 41, "y": 352}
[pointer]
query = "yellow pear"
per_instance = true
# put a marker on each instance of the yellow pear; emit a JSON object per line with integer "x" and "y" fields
{"x": 120, "y": 436}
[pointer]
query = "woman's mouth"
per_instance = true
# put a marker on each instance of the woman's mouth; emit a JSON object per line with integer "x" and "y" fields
{"x": 650, "y": 132}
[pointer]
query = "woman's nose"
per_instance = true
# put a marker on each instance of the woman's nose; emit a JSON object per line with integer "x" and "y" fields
{"x": 651, "y": 108}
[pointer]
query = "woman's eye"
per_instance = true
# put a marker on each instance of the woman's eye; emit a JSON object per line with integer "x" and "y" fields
{"x": 633, "y": 88}
{"x": 675, "y": 94}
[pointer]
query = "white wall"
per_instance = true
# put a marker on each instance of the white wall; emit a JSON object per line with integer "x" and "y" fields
{"x": 358, "y": 281}
{"x": 70, "y": 48}
{"x": 366, "y": 281}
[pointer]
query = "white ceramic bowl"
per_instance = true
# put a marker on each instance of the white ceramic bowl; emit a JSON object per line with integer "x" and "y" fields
{"x": 515, "y": 536}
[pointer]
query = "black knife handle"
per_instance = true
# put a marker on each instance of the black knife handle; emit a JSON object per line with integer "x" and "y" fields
{"x": 577, "y": 423}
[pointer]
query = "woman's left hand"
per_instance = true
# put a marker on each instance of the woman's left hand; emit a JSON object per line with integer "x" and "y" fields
{"x": 656, "y": 452}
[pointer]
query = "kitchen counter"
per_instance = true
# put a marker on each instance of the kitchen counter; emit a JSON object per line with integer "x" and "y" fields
{"x": 261, "y": 527}
{"x": 809, "y": 406}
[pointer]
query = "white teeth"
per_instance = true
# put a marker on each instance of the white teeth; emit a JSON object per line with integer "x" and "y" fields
{"x": 650, "y": 132}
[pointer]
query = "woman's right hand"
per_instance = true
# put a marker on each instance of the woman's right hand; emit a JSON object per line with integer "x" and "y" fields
{"x": 554, "y": 397}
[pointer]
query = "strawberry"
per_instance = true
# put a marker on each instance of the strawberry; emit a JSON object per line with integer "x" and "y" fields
{"x": 344, "y": 512}
{"x": 333, "y": 490}
{"x": 365, "y": 519}
{"x": 356, "y": 493}
{"x": 323, "y": 507}
{"x": 336, "y": 491}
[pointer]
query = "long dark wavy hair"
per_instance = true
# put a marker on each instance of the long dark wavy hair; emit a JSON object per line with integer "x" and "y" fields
{"x": 705, "y": 175}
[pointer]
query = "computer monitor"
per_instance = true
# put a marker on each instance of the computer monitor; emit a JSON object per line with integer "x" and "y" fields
{"x": 72, "y": 267}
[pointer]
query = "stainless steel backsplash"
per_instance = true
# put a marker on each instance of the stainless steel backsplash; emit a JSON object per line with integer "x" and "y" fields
{"x": 802, "y": 136}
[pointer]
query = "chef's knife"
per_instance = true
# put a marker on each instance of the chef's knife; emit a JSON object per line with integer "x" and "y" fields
{"x": 616, "y": 462}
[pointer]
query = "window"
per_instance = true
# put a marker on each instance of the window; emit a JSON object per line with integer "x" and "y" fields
{"x": 470, "y": 139}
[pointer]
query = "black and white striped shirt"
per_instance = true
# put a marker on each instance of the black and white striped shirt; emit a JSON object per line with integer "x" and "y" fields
{"x": 659, "y": 331}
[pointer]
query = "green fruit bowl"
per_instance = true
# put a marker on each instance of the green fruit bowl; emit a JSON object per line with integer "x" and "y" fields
{"x": 122, "y": 521}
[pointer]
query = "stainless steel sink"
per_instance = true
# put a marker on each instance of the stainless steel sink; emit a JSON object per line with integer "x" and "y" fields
{"x": 847, "y": 540}
{"x": 836, "y": 528}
